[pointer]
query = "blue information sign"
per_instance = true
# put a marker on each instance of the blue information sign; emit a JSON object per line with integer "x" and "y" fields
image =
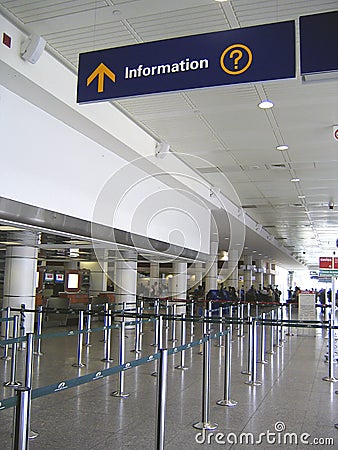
{"x": 319, "y": 43}
{"x": 264, "y": 52}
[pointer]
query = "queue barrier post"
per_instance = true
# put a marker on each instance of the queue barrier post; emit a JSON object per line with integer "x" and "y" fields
{"x": 241, "y": 317}
{"x": 88, "y": 326}
{"x": 21, "y": 422}
{"x": 161, "y": 400}
{"x": 5, "y": 356}
{"x": 138, "y": 320}
{"x": 253, "y": 371}
{"x": 205, "y": 423}
{"x": 120, "y": 392}
{"x": 22, "y": 326}
{"x": 272, "y": 334}
{"x": 182, "y": 366}
{"x": 160, "y": 341}
{"x": 249, "y": 348}
{"x": 39, "y": 332}
{"x": 263, "y": 340}
{"x": 226, "y": 401}
{"x": 29, "y": 377}
{"x": 331, "y": 343}
{"x": 79, "y": 363}
{"x": 192, "y": 310}
{"x": 12, "y": 382}
{"x": 220, "y": 329}
{"x": 173, "y": 323}
{"x": 107, "y": 340}
{"x": 156, "y": 311}
{"x": 289, "y": 333}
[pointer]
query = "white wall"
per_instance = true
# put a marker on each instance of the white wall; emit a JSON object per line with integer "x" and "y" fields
{"x": 48, "y": 164}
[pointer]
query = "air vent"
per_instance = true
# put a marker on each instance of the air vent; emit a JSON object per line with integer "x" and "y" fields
{"x": 249, "y": 206}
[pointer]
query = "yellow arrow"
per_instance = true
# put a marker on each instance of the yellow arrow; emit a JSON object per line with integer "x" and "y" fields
{"x": 100, "y": 71}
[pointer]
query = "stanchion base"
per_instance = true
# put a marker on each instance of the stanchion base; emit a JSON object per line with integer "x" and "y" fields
{"x": 79, "y": 365}
{"x": 245, "y": 372}
{"x": 330, "y": 379}
{"x": 289, "y": 334}
{"x": 181, "y": 367}
{"x": 120, "y": 394}
{"x": 253, "y": 383}
{"x": 200, "y": 353}
{"x": 87, "y": 345}
{"x": 154, "y": 374}
{"x": 12, "y": 383}
{"x": 205, "y": 425}
{"x": 135, "y": 351}
{"x": 279, "y": 345}
{"x": 240, "y": 335}
{"x": 172, "y": 340}
{"x": 264, "y": 361}
{"x": 219, "y": 345}
{"x": 33, "y": 434}
{"x": 229, "y": 403}
{"x": 38, "y": 353}
{"x": 108, "y": 360}
{"x": 153, "y": 345}
{"x": 5, "y": 358}
{"x": 271, "y": 352}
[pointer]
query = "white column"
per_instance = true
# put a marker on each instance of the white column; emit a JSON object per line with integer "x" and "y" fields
{"x": 212, "y": 269}
{"x": 233, "y": 268}
{"x": 126, "y": 278}
{"x": 154, "y": 277}
{"x": 247, "y": 272}
{"x": 179, "y": 284}
{"x": 267, "y": 276}
{"x": 21, "y": 274}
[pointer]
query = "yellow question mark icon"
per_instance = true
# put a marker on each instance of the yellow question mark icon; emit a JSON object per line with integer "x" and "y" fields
{"x": 235, "y": 50}
{"x": 239, "y": 56}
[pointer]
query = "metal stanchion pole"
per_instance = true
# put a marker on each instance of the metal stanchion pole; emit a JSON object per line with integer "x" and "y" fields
{"x": 22, "y": 326}
{"x": 241, "y": 326}
{"x": 21, "y": 424}
{"x": 331, "y": 344}
{"x": 249, "y": 341}
{"x": 12, "y": 382}
{"x": 192, "y": 309}
{"x": 253, "y": 377}
{"x": 289, "y": 333}
{"x": 181, "y": 366}
{"x": 205, "y": 424}
{"x": 141, "y": 312}
{"x": 160, "y": 341}
{"x": 79, "y": 363}
{"x": 29, "y": 376}
{"x": 248, "y": 309}
{"x": 173, "y": 323}
{"x": 105, "y": 321}
{"x": 272, "y": 334}
{"x": 220, "y": 315}
{"x": 89, "y": 323}
{"x": 120, "y": 392}
{"x": 209, "y": 315}
{"x": 204, "y": 329}
{"x": 167, "y": 312}
{"x": 226, "y": 401}
{"x": 263, "y": 340}
{"x": 161, "y": 400}
{"x": 5, "y": 356}
{"x": 157, "y": 310}
{"x": 39, "y": 332}
{"x": 136, "y": 348}
{"x": 107, "y": 341}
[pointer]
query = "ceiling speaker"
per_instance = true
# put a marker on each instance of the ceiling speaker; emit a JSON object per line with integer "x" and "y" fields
{"x": 32, "y": 48}
{"x": 162, "y": 149}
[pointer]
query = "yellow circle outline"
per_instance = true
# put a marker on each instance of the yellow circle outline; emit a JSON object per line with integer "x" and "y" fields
{"x": 231, "y": 72}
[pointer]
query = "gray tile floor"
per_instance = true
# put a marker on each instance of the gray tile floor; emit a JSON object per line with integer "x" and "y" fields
{"x": 292, "y": 396}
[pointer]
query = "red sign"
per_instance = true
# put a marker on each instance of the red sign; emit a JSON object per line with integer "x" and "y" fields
{"x": 325, "y": 262}
{"x": 335, "y": 262}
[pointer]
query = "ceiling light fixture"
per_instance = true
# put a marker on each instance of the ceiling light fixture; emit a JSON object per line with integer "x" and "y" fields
{"x": 265, "y": 104}
{"x": 282, "y": 147}
{"x": 301, "y": 196}
{"x": 295, "y": 180}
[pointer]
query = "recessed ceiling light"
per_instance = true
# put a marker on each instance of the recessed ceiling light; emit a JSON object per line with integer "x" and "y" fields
{"x": 295, "y": 180}
{"x": 221, "y": 1}
{"x": 282, "y": 147}
{"x": 301, "y": 196}
{"x": 265, "y": 104}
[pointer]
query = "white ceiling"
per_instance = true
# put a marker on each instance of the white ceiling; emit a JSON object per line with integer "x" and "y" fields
{"x": 222, "y": 126}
